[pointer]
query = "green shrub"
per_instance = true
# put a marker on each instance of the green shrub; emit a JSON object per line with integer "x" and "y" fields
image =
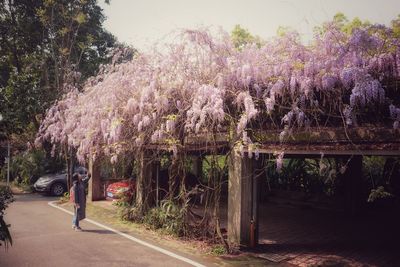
{"x": 64, "y": 198}
{"x": 221, "y": 163}
{"x": 373, "y": 168}
{"x": 168, "y": 216}
{"x": 154, "y": 218}
{"x": 26, "y": 167}
{"x": 6, "y": 198}
{"x": 218, "y": 250}
{"x": 311, "y": 176}
{"x": 378, "y": 193}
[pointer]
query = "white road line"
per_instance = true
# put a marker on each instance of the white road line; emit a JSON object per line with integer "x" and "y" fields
{"x": 134, "y": 239}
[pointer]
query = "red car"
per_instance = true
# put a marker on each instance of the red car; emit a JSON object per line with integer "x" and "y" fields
{"x": 118, "y": 189}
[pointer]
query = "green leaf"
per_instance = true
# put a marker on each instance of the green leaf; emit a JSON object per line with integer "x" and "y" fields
{"x": 80, "y": 18}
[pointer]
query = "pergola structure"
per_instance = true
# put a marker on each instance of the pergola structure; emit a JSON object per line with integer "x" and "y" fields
{"x": 244, "y": 172}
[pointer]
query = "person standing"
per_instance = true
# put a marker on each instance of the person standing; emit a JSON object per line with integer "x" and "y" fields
{"x": 78, "y": 197}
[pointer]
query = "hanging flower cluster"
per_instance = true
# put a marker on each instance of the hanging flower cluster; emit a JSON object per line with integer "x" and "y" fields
{"x": 202, "y": 84}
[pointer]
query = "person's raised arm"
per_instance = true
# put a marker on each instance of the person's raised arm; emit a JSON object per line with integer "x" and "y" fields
{"x": 87, "y": 178}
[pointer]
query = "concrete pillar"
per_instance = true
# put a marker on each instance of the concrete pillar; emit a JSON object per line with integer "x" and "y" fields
{"x": 157, "y": 183}
{"x": 242, "y": 200}
{"x": 146, "y": 177}
{"x": 259, "y": 173}
{"x": 197, "y": 166}
{"x": 353, "y": 185}
{"x": 95, "y": 190}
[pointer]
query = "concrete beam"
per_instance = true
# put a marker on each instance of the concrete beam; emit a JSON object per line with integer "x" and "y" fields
{"x": 316, "y": 151}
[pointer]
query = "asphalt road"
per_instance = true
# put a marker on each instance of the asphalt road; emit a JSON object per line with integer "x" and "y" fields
{"x": 43, "y": 236}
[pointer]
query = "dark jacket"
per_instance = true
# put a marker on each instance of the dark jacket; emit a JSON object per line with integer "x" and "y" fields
{"x": 80, "y": 196}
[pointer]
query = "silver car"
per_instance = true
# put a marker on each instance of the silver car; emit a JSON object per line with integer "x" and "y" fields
{"x": 55, "y": 183}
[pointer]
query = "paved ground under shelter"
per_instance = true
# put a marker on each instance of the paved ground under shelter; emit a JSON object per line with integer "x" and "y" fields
{"x": 305, "y": 236}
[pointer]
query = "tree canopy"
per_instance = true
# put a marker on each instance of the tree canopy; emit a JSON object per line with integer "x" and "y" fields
{"x": 241, "y": 37}
{"x": 42, "y": 44}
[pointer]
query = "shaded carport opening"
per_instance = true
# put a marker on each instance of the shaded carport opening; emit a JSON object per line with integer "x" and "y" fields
{"x": 315, "y": 220}
{"x": 316, "y": 210}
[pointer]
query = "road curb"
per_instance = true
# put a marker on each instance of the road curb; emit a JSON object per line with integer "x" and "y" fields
{"x": 134, "y": 239}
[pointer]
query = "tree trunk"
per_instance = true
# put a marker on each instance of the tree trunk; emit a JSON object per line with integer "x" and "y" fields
{"x": 69, "y": 158}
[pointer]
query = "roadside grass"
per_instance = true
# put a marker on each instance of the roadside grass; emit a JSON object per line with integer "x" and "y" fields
{"x": 218, "y": 250}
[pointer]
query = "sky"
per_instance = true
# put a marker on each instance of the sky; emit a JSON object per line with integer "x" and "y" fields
{"x": 141, "y": 23}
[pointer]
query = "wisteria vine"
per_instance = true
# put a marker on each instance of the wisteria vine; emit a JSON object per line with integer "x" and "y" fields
{"x": 203, "y": 84}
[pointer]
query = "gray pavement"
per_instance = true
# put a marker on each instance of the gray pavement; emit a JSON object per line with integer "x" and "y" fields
{"x": 43, "y": 236}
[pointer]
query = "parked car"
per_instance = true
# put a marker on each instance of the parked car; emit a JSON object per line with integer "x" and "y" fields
{"x": 118, "y": 189}
{"x": 55, "y": 183}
